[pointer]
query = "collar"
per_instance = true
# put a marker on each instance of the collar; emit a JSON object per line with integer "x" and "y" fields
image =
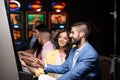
{"x": 48, "y": 42}
{"x": 79, "y": 49}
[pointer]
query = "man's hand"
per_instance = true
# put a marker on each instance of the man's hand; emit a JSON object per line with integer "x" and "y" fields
{"x": 25, "y": 53}
{"x": 23, "y": 63}
{"x": 37, "y": 63}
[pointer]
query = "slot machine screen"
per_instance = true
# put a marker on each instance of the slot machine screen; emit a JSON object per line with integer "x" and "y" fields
{"x": 32, "y": 17}
{"x": 17, "y": 36}
{"x": 16, "y": 19}
{"x": 58, "y": 20}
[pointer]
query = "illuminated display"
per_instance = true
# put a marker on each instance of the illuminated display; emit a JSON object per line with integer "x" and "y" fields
{"x": 57, "y": 20}
{"x": 17, "y": 36}
{"x": 16, "y": 19}
{"x": 14, "y": 5}
{"x": 35, "y": 6}
{"x": 32, "y": 17}
{"x": 58, "y": 6}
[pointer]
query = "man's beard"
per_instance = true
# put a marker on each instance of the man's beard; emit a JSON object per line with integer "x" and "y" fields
{"x": 76, "y": 42}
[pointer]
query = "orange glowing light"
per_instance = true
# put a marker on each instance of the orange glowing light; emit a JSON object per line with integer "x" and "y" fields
{"x": 13, "y": 5}
{"x": 36, "y": 6}
{"x": 59, "y": 6}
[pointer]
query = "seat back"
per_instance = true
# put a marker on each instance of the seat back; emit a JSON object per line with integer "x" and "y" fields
{"x": 104, "y": 67}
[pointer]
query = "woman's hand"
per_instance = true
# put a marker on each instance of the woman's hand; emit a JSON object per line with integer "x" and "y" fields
{"x": 37, "y": 63}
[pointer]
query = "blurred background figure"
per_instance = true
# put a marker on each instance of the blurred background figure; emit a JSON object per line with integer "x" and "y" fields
{"x": 40, "y": 51}
{"x": 31, "y": 42}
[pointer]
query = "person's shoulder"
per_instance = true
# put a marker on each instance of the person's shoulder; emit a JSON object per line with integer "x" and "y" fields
{"x": 91, "y": 50}
{"x": 89, "y": 46}
{"x": 52, "y": 51}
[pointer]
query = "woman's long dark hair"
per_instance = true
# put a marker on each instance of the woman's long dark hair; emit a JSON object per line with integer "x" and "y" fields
{"x": 68, "y": 45}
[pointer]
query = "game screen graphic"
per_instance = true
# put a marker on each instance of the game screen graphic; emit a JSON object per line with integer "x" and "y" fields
{"x": 58, "y": 18}
{"x": 32, "y": 17}
{"x": 15, "y": 20}
{"x": 17, "y": 36}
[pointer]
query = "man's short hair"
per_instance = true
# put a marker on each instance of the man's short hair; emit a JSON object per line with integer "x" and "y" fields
{"x": 45, "y": 30}
{"x": 88, "y": 27}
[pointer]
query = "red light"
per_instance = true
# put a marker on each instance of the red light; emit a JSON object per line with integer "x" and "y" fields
{"x": 63, "y": 4}
{"x": 59, "y": 6}
{"x": 37, "y": 5}
{"x": 37, "y": 2}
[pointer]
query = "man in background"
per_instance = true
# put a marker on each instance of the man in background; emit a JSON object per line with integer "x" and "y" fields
{"x": 31, "y": 42}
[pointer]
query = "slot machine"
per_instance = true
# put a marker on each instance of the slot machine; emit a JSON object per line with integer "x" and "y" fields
{"x": 31, "y": 18}
{"x": 16, "y": 22}
{"x": 11, "y": 68}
